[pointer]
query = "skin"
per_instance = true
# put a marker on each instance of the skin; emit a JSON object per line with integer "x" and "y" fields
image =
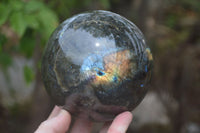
{"x": 59, "y": 122}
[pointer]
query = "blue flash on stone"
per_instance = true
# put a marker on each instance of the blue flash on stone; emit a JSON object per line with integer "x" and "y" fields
{"x": 115, "y": 79}
{"x": 146, "y": 69}
{"x": 100, "y": 73}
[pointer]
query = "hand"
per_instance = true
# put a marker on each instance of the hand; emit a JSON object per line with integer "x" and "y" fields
{"x": 59, "y": 122}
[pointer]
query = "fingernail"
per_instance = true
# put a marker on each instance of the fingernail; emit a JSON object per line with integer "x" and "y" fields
{"x": 62, "y": 112}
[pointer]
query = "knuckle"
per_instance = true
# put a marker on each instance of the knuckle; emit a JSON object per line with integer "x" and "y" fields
{"x": 44, "y": 124}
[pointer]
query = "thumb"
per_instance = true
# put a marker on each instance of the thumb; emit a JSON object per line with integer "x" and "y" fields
{"x": 58, "y": 124}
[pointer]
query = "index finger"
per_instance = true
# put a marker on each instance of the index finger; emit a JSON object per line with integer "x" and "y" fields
{"x": 55, "y": 112}
{"x": 120, "y": 123}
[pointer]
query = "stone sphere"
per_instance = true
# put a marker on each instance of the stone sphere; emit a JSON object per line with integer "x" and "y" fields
{"x": 97, "y": 65}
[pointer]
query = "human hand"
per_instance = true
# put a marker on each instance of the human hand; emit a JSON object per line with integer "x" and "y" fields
{"x": 59, "y": 121}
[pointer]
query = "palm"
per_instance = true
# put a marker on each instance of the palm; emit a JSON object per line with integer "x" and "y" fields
{"x": 59, "y": 122}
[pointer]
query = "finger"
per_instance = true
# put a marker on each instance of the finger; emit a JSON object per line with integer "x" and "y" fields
{"x": 120, "y": 123}
{"x": 82, "y": 126}
{"x": 105, "y": 127}
{"x": 55, "y": 112}
{"x": 58, "y": 124}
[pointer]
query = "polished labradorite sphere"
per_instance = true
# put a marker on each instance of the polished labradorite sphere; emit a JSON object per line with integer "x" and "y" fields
{"x": 97, "y": 65}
